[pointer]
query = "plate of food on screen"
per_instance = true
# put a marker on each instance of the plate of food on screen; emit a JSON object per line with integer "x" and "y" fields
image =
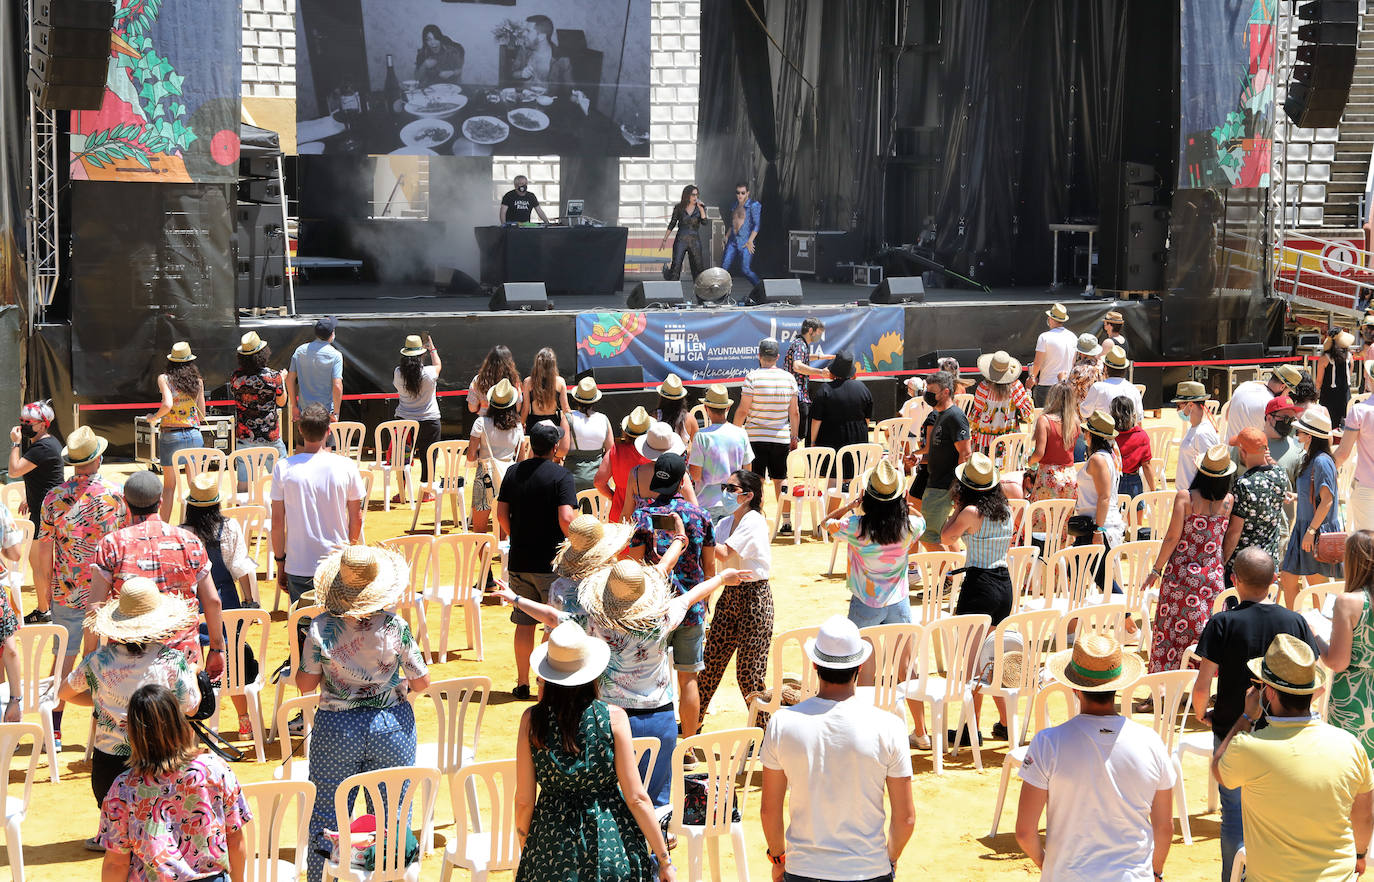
{"x": 426, "y": 133}
{"x": 528, "y": 119}
{"x": 438, "y": 101}
{"x": 485, "y": 130}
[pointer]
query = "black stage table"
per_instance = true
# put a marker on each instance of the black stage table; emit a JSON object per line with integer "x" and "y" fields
{"x": 568, "y": 260}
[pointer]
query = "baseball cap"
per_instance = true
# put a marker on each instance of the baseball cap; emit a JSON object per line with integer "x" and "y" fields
{"x": 143, "y": 489}
{"x": 768, "y": 346}
{"x": 544, "y": 436}
{"x": 325, "y": 326}
{"x": 1250, "y": 440}
{"x": 668, "y": 471}
{"x": 1277, "y": 403}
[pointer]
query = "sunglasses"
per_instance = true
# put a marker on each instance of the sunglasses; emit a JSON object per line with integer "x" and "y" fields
{"x": 741, "y": 192}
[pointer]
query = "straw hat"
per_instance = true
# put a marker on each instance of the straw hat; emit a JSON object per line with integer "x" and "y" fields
{"x": 884, "y": 482}
{"x": 251, "y": 344}
{"x": 360, "y": 580}
{"x": 1114, "y": 317}
{"x": 637, "y": 423}
{"x": 660, "y": 439}
{"x": 181, "y": 352}
{"x": 1315, "y": 421}
{"x": 1115, "y": 358}
{"x": 570, "y": 657}
{"x": 586, "y": 391}
{"x": 837, "y": 645}
{"x": 1100, "y": 423}
{"x": 204, "y": 491}
{"x": 591, "y": 545}
{"x": 717, "y": 397}
{"x": 672, "y": 387}
{"x": 999, "y": 367}
{"x": 1088, "y": 345}
{"x": 1190, "y": 391}
{"x": 1343, "y": 339}
{"x": 1058, "y": 313}
{"x": 1216, "y": 462}
{"x": 1095, "y": 664}
{"x": 1288, "y": 375}
{"x": 503, "y": 395}
{"x": 142, "y": 614}
{"x": 414, "y": 345}
{"x": 977, "y": 473}
{"x": 83, "y": 446}
{"x": 629, "y": 596}
{"x": 1288, "y": 665}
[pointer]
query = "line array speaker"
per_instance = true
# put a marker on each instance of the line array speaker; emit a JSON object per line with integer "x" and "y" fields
{"x": 71, "y": 53}
{"x": 1320, "y": 87}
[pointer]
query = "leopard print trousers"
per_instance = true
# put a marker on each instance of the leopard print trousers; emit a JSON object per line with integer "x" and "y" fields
{"x": 742, "y": 626}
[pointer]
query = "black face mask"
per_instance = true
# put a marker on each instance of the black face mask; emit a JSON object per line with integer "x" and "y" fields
{"x": 27, "y": 432}
{"x": 931, "y": 398}
{"x": 520, "y": 189}
{"x": 1284, "y": 427}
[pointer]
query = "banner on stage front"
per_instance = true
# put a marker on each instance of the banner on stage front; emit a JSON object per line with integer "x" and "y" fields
{"x": 711, "y": 344}
{"x": 171, "y": 107}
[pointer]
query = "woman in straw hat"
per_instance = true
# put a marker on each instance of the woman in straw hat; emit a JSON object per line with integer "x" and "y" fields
{"x": 878, "y": 537}
{"x": 227, "y": 552}
{"x": 178, "y": 812}
{"x": 1189, "y": 568}
{"x": 613, "y": 478}
{"x": 1335, "y": 369}
{"x": 494, "y": 444}
{"x": 134, "y": 627}
{"x": 1097, "y": 488}
{"x": 257, "y": 391}
{"x": 544, "y": 395}
{"x": 590, "y": 437}
{"x": 1087, "y": 365}
{"x": 417, "y": 389}
{"x": 593, "y": 818}
{"x": 1000, "y": 403}
{"x": 591, "y": 546}
{"x": 1317, "y": 510}
{"x": 673, "y": 410}
{"x": 1057, "y": 433}
{"x": 363, "y": 659}
{"x": 179, "y": 416}
{"x": 631, "y": 607}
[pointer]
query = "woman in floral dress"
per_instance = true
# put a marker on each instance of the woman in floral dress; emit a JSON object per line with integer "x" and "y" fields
{"x": 1351, "y": 653}
{"x": 1000, "y": 404}
{"x": 1190, "y": 563}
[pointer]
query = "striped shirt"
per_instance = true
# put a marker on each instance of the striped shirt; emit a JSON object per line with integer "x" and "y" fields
{"x": 987, "y": 547}
{"x": 771, "y": 391}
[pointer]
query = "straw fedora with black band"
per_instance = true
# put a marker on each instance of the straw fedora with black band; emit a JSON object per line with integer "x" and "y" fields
{"x": 414, "y": 345}
{"x": 629, "y": 596}
{"x": 1216, "y": 462}
{"x": 251, "y": 344}
{"x": 591, "y": 545}
{"x": 1288, "y": 665}
{"x": 884, "y": 482}
{"x": 978, "y": 472}
{"x": 1114, "y": 317}
{"x": 1288, "y": 375}
{"x": 570, "y": 657}
{"x": 360, "y": 580}
{"x": 637, "y": 422}
{"x": 181, "y": 352}
{"x": 1115, "y": 358}
{"x": 586, "y": 391}
{"x": 672, "y": 388}
{"x": 503, "y": 395}
{"x": 1100, "y": 424}
{"x": 1095, "y": 664}
{"x": 1058, "y": 313}
{"x": 1190, "y": 391}
{"x": 717, "y": 397}
{"x": 999, "y": 367}
{"x": 83, "y": 446}
{"x": 141, "y": 614}
{"x": 204, "y": 491}
{"x": 1315, "y": 421}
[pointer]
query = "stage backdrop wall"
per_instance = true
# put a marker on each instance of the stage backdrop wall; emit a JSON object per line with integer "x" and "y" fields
{"x": 171, "y": 107}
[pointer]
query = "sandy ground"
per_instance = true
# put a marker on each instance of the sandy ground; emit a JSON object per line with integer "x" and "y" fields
{"x": 954, "y": 811}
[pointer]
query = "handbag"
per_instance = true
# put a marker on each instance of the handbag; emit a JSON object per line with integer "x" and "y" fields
{"x": 1329, "y": 547}
{"x": 207, "y": 708}
{"x": 1081, "y": 525}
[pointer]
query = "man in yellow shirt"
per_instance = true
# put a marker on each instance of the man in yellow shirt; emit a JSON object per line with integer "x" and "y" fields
{"x": 1307, "y": 792}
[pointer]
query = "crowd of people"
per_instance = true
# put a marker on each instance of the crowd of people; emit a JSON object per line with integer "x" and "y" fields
{"x": 649, "y": 596}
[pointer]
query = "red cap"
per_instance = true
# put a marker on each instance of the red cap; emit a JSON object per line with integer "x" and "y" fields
{"x": 1279, "y": 402}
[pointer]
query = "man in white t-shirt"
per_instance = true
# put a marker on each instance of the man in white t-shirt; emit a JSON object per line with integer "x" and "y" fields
{"x": 1108, "y": 782}
{"x": 837, "y": 755}
{"x": 1245, "y": 410}
{"x": 718, "y": 450}
{"x": 1191, "y": 401}
{"x": 317, "y": 505}
{"x": 1054, "y": 352}
{"x": 1114, "y": 385}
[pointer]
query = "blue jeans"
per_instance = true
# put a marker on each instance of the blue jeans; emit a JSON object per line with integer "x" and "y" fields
{"x": 298, "y": 585}
{"x": 169, "y": 441}
{"x": 345, "y": 743}
{"x": 1232, "y": 830}
{"x": 242, "y": 468}
{"x": 662, "y": 725}
{"x": 734, "y": 247}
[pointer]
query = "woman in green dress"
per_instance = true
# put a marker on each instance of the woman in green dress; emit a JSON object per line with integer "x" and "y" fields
{"x": 1351, "y": 653}
{"x": 593, "y": 820}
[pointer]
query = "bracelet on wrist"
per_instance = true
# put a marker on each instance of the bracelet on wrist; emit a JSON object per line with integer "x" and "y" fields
{"x": 1359, "y": 855}
{"x": 777, "y": 860}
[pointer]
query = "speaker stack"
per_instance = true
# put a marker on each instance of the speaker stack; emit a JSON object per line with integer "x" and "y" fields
{"x": 71, "y": 53}
{"x": 1134, "y": 228}
{"x": 1326, "y": 63}
{"x": 259, "y": 257}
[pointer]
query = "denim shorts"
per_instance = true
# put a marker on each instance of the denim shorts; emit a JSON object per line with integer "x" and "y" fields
{"x": 241, "y": 467}
{"x": 688, "y": 643}
{"x": 865, "y": 616}
{"x": 169, "y": 441}
{"x": 72, "y": 620}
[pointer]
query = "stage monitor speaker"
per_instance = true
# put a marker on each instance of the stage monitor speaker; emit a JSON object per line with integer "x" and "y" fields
{"x": 655, "y": 294}
{"x": 68, "y": 66}
{"x": 525, "y": 296}
{"x": 1234, "y": 351}
{"x": 774, "y": 291}
{"x": 899, "y": 289}
{"x": 619, "y": 375}
{"x": 456, "y": 281}
{"x": 967, "y": 358}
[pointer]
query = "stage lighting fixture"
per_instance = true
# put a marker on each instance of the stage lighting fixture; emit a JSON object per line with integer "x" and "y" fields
{"x": 713, "y": 287}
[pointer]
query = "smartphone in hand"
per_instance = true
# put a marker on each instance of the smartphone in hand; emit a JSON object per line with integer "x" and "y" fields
{"x": 663, "y": 523}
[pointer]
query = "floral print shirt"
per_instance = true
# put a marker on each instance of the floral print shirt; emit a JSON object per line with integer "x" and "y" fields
{"x": 175, "y": 826}
{"x": 1259, "y": 502}
{"x": 689, "y": 571}
{"x": 877, "y": 573}
{"x": 113, "y": 673}
{"x": 77, "y": 514}
{"x": 172, "y": 557}
{"x": 798, "y": 352}
{"x": 255, "y": 405}
{"x": 366, "y": 662}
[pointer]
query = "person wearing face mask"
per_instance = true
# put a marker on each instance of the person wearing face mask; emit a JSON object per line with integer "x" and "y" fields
{"x": 35, "y": 456}
{"x": 1249, "y": 399}
{"x": 1200, "y": 436}
{"x": 947, "y": 443}
{"x": 1284, "y": 449}
{"x": 1358, "y": 436}
{"x": 518, "y": 204}
{"x": 1318, "y": 511}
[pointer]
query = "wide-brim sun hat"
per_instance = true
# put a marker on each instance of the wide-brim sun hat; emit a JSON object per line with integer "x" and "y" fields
{"x": 629, "y": 596}
{"x": 586, "y": 392}
{"x": 637, "y": 422}
{"x": 999, "y": 367}
{"x": 978, "y": 472}
{"x": 1088, "y": 345}
{"x": 251, "y": 344}
{"x": 413, "y": 345}
{"x": 1288, "y": 665}
{"x": 837, "y": 645}
{"x": 660, "y": 439}
{"x": 1096, "y": 663}
{"x": 1315, "y": 421}
{"x": 592, "y": 544}
{"x": 570, "y": 657}
{"x": 360, "y": 580}
{"x": 83, "y": 446}
{"x": 141, "y": 614}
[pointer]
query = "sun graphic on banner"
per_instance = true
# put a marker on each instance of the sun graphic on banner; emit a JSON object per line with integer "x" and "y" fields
{"x": 611, "y": 333}
{"x": 887, "y": 353}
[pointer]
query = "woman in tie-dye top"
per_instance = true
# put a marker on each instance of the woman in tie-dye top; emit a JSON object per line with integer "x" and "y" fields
{"x": 879, "y": 539}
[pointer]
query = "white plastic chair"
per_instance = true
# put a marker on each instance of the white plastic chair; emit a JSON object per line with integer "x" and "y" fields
{"x": 935, "y": 568}
{"x": 17, "y": 807}
{"x": 293, "y": 651}
{"x": 483, "y": 844}
{"x": 448, "y": 473}
{"x": 40, "y": 648}
{"x": 237, "y": 626}
{"x": 452, "y": 748}
{"x": 1016, "y": 751}
{"x": 1010, "y": 451}
{"x": 1023, "y": 566}
{"x": 1314, "y": 597}
{"x": 1161, "y": 439}
{"x": 894, "y": 435}
{"x": 1036, "y": 628}
{"x": 893, "y": 663}
{"x": 394, "y": 447}
{"x": 1170, "y": 692}
{"x": 418, "y": 552}
{"x": 1128, "y": 566}
{"x": 808, "y": 683}
{"x": 808, "y": 468}
{"x": 592, "y": 502}
{"x": 257, "y": 461}
{"x": 1197, "y": 742}
{"x": 348, "y": 439}
{"x": 1151, "y": 510}
{"x": 295, "y": 767}
{"x": 727, "y": 755}
{"x": 392, "y": 794}
{"x": 1053, "y": 516}
{"x": 14, "y": 578}
{"x": 961, "y": 637}
{"x": 1073, "y": 573}
{"x": 270, "y": 802}
{"x": 194, "y": 461}
{"x": 1106, "y": 619}
{"x": 471, "y": 555}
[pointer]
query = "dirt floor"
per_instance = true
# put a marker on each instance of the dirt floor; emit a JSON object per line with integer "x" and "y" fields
{"x": 954, "y": 811}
